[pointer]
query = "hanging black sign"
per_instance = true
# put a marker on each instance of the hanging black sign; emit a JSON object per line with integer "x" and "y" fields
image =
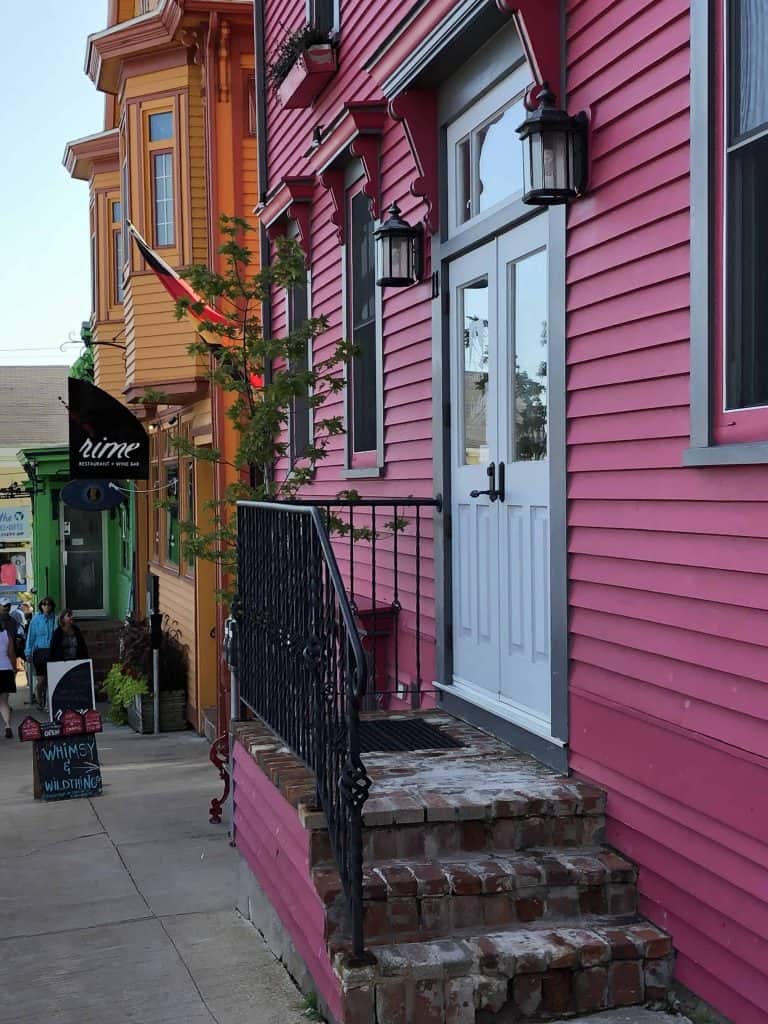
{"x": 105, "y": 439}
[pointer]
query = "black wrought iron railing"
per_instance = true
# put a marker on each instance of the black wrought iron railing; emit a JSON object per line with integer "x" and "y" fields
{"x": 384, "y": 549}
{"x": 333, "y": 598}
{"x": 303, "y": 669}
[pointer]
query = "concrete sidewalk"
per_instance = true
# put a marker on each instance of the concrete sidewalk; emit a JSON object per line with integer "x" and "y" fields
{"x": 119, "y": 909}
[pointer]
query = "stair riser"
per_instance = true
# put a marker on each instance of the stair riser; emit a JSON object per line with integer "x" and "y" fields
{"x": 438, "y": 839}
{"x": 536, "y": 996}
{"x": 412, "y": 919}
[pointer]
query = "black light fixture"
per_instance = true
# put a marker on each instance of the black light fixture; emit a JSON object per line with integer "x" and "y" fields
{"x": 554, "y": 153}
{"x": 399, "y": 248}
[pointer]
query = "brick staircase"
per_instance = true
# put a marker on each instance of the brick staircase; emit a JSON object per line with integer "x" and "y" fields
{"x": 488, "y": 895}
{"x": 103, "y": 639}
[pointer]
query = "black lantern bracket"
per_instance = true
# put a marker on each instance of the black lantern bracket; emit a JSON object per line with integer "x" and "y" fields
{"x": 400, "y": 251}
{"x": 555, "y": 152}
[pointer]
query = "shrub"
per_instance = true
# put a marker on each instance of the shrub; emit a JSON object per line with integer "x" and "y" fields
{"x": 121, "y": 687}
{"x": 136, "y": 654}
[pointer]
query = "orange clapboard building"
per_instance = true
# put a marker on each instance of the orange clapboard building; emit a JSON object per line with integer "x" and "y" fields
{"x": 177, "y": 150}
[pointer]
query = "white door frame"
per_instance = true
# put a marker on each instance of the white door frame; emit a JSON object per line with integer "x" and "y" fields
{"x": 550, "y": 749}
{"x": 91, "y": 613}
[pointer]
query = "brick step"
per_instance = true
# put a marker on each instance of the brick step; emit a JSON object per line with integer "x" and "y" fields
{"x": 535, "y": 974}
{"x": 431, "y": 826}
{"x": 416, "y": 901}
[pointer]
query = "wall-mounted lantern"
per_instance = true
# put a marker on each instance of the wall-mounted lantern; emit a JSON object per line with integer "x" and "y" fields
{"x": 554, "y": 153}
{"x": 399, "y": 251}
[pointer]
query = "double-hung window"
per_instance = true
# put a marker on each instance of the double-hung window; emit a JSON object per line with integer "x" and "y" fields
{"x": 324, "y": 15}
{"x": 297, "y": 299}
{"x": 116, "y": 235}
{"x": 162, "y": 177}
{"x": 746, "y": 205}
{"x": 363, "y": 329}
{"x": 729, "y": 232}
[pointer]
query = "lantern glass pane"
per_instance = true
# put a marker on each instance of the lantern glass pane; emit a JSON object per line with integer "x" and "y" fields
{"x": 499, "y": 161}
{"x": 537, "y": 161}
{"x": 555, "y": 161}
{"x": 400, "y": 266}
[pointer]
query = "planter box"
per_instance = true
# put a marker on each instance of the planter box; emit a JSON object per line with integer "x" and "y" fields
{"x": 173, "y": 706}
{"x": 313, "y": 69}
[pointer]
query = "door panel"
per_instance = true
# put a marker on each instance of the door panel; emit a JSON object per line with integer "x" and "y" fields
{"x": 499, "y": 353}
{"x": 474, "y": 426}
{"x": 83, "y": 544}
{"x": 523, "y": 323}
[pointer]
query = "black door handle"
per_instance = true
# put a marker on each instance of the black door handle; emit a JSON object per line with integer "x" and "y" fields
{"x": 501, "y": 492}
{"x": 491, "y": 492}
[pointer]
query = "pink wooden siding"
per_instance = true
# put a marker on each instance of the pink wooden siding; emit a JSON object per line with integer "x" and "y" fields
{"x": 668, "y": 566}
{"x": 271, "y": 838}
{"x": 407, "y": 329}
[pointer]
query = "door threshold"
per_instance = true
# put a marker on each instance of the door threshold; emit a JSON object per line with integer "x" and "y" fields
{"x": 501, "y": 720}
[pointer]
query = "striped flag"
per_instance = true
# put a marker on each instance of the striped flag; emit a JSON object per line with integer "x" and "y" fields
{"x": 176, "y": 286}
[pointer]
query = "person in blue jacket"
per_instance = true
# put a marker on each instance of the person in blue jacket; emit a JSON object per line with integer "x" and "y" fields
{"x": 38, "y": 645}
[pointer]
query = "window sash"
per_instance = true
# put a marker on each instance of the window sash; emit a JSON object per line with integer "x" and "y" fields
{"x": 363, "y": 332}
{"x": 162, "y": 198}
{"x": 297, "y": 299}
{"x": 172, "y": 533}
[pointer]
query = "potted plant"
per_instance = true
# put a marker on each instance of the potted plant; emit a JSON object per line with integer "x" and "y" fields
{"x": 303, "y": 65}
{"x": 122, "y": 688}
{"x": 174, "y": 671}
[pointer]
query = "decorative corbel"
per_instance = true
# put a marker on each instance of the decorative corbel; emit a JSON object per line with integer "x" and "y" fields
{"x": 367, "y": 148}
{"x": 223, "y": 62}
{"x": 416, "y": 109}
{"x": 332, "y": 180}
{"x": 538, "y": 24}
{"x": 192, "y": 40}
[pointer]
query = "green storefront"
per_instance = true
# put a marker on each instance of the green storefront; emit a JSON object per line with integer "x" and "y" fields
{"x": 83, "y": 560}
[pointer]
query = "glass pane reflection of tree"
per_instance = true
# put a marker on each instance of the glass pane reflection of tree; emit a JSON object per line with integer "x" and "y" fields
{"x": 530, "y": 347}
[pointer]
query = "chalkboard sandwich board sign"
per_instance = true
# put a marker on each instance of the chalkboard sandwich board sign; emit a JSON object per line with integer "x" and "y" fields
{"x": 70, "y": 686}
{"x": 67, "y": 767}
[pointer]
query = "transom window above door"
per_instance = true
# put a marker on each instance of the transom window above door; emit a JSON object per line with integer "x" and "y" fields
{"x": 484, "y": 155}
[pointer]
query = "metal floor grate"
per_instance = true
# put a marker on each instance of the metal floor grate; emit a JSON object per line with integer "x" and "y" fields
{"x": 403, "y": 734}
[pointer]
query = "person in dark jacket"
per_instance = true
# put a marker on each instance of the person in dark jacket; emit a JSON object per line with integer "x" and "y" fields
{"x": 67, "y": 642}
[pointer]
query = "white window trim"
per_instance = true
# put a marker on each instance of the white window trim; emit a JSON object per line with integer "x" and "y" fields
{"x": 501, "y": 95}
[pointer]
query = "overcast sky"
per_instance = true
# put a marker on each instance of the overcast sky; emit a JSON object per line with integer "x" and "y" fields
{"x": 47, "y": 101}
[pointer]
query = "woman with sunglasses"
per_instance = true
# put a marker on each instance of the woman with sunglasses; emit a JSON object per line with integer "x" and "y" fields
{"x": 38, "y": 646}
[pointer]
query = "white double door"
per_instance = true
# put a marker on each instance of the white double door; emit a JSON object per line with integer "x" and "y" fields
{"x": 500, "y": 541}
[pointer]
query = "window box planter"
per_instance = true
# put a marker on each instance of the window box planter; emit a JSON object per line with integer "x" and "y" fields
{"x": 173, "y": 705}
{"x": 314, "y": 68}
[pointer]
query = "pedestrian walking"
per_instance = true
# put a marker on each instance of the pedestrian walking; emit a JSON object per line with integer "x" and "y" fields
{"x": 38, "y": 646}
{"x": 10, "y": 622}
{"x": 67, "y": 642}
{"x": 7, "y": 670}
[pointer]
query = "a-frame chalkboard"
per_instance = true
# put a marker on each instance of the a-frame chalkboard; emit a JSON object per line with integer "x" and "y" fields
{"x": 67, "y": 767}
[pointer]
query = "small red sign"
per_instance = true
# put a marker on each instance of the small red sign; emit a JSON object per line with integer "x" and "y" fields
{"x": 72, "y": 723}
{"x": 30, "y": 729}
{"x": 93, "y": 721}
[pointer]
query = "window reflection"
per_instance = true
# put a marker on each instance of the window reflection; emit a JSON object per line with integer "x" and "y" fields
{"x": 475, "y": 389}
{"x": 531, "y": 354}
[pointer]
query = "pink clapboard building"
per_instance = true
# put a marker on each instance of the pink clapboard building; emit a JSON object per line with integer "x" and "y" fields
{"x": 601, "y": 368}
